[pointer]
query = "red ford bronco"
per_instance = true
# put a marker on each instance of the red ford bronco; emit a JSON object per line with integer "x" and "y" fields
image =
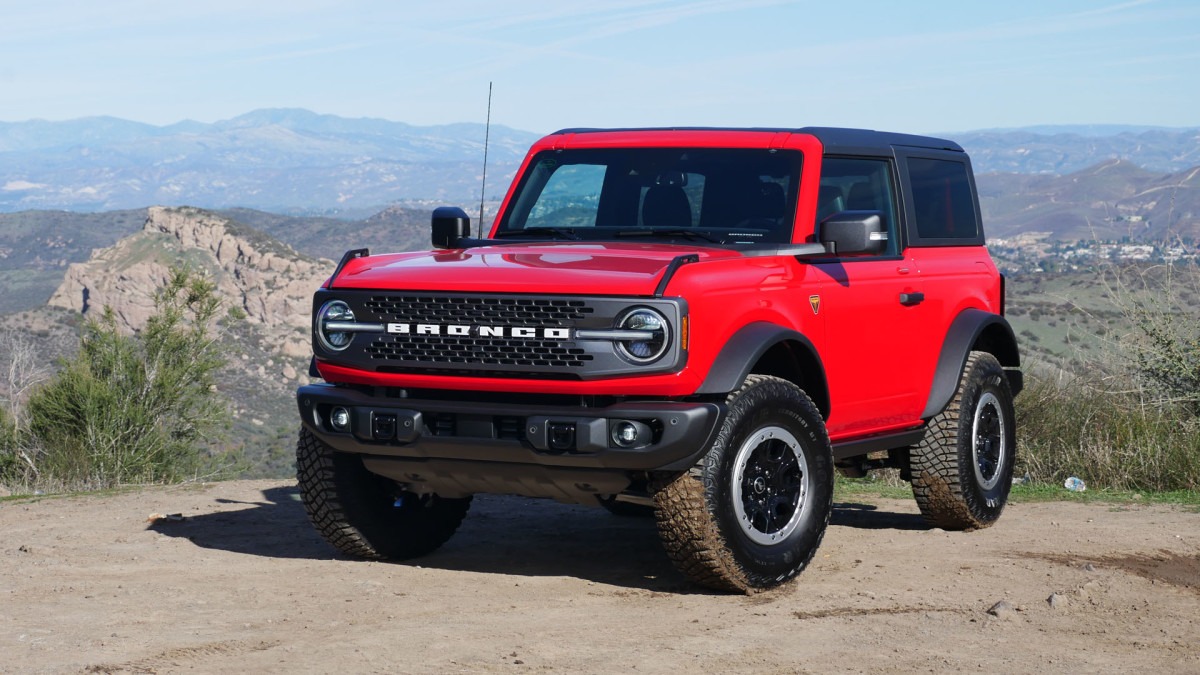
{"x": 702, "y": 324}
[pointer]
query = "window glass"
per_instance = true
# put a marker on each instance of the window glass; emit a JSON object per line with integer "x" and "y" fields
{"x": 942, "y": 201}
{"x": 718, "y": 195}
{"x": 859, "y": 185}
{"x": 570, "y": 197}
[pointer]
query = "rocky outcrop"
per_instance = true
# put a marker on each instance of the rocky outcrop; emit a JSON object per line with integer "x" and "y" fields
{"x": 269, "y": 281}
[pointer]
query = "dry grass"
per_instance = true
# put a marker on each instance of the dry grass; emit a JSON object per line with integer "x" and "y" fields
{"x": 1111, "y": 438}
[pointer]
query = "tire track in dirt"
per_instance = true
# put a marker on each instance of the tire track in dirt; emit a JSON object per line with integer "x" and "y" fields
{"x": 180, "y": 657}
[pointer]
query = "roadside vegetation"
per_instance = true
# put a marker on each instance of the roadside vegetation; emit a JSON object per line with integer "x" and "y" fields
{"x": 1126, "y": 414}
{"x": 125, "y": 409}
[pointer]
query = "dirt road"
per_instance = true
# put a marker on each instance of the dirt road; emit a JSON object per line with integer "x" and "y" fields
{"x": 242, "y": 584}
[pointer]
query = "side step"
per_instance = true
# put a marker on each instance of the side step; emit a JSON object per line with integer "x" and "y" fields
{"x": 865, "y": 446}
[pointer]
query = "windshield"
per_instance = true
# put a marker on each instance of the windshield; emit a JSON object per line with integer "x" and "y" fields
{"x": 717, "y": 195}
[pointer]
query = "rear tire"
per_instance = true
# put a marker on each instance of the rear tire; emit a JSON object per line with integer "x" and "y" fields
{"x": 962, "y": 469}
{"x": 365, "y": 515}
{"x": 752, "y": 512}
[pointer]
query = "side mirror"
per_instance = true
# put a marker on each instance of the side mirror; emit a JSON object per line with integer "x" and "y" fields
{"x": 450, "y": 224}
{"x": 854, "y": 232}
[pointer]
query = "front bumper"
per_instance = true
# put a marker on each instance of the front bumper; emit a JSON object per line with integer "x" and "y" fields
{"x": 459, "y": 447}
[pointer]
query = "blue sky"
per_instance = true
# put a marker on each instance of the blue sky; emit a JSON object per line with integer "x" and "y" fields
{"x": 915, "y": 66}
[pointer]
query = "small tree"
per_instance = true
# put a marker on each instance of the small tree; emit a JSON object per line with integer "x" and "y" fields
{"x": 22, "y": 371}
{"x": 1167, "y": 355}
{"x": 134, "y": 409}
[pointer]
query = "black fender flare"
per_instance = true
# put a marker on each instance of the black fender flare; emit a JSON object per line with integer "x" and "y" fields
{"x": 972, "y": 329}
{"x": 744, "y": 349}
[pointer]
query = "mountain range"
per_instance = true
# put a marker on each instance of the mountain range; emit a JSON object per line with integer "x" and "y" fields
{"x": 302, "y": 163}
{"x": 1061, "y": 150}
{"x": 1112, "y": 200}
{"x": 284, "y": 160}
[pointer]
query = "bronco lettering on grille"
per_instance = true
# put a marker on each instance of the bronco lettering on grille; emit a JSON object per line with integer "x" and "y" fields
{"x": 460, "y": 330}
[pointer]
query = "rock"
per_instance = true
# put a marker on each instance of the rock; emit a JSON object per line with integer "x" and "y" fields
{"x": 1089, "y": 567}
{"x": 1056, "y": 601}
{"x": 288, "y": 372}
{"x": 1003, "y": 610}
{"x": 1084, "y": 592}
{"x": 270, "y": 282}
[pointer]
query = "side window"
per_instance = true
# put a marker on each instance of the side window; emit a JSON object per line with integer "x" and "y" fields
{"x": 855, "y": 184}
{"x": 941, "y": 196}
{"x": 569, "y": 198}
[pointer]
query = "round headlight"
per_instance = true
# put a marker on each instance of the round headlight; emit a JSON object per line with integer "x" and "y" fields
{"x": 657, "y": 335}
{"x": 334, "y": 311}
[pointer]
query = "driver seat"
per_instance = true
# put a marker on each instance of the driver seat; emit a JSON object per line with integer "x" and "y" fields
{"x": 666, "y": 206}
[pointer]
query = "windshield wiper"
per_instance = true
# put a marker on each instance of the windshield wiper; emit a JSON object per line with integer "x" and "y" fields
{"x": 669, "y": 232}
{"x": 555, "y": 231}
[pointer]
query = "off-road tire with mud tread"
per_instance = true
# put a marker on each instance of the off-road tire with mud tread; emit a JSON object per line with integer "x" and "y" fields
{"x": 697, "y": 522}
{"x": 953, "y": 488}
{"x": 366, "y": 515}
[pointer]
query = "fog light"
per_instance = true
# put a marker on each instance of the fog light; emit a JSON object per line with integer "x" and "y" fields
{"x": 624, "y": 434}
{"x": 340, "y": 419}
{"x": 629, "y": 434}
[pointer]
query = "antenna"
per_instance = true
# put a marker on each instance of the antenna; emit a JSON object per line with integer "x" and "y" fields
{"x": 487, "y": 129}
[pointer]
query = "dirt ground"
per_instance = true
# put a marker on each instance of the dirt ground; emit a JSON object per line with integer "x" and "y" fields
{"x": 241, "y": 583}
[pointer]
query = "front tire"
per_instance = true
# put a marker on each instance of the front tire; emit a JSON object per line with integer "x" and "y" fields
{"x": 962, "y": 469}
{"x": 365, "y": 515}
{"x": 752, "y": 512}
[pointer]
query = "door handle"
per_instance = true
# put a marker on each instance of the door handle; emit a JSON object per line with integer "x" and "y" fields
{"x": 910, "y": 299}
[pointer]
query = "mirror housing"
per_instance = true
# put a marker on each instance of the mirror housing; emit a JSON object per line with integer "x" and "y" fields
{"x": 854, "y": 232}
{"x": 449, "y": 225}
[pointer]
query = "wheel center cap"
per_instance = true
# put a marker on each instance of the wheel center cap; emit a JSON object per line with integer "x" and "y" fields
{"x": 760, "y": 484}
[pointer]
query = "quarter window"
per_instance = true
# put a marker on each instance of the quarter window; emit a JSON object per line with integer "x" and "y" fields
{"x": 941, "y": 196}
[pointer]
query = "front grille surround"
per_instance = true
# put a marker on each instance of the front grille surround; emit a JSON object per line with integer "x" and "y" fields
{"x": 493, "y": 335}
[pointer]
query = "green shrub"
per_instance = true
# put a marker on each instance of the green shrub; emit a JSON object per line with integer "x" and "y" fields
{"x": 8, "y": 448}
{"x": 134, "y": 409}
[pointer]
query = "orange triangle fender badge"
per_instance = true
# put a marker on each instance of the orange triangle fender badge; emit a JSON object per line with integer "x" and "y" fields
{"x": 814, "y": 301}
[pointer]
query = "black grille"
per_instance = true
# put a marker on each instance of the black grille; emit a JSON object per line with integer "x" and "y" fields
{"x": 473, "y": 350}
{"x": 540, "y": 312}
{"x": 476, "y": 350}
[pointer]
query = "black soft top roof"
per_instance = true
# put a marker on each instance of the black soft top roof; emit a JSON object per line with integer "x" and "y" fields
{"x": 833, "y": 138}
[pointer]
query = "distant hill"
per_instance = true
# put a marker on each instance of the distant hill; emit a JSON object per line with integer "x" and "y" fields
{"x": 1067, "y": 149}
{"x": 396, "y": 228}
{"x": 36, "y": 247}
{"x": 1110, "y": 200}
{"x": 282, "y": 160}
